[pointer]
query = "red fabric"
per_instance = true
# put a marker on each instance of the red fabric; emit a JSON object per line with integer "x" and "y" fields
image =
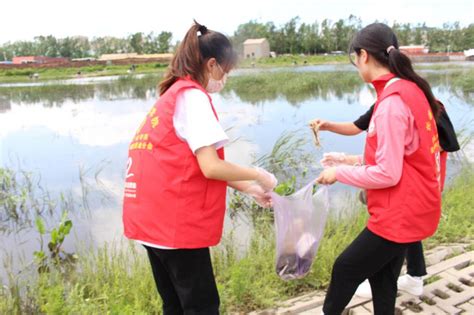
{"x": 168, "y": 201}
{"x": 443, "y": 162}
{"x": 410, "y": 210}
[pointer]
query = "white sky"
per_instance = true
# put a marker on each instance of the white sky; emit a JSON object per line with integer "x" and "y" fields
{"x": 24, "y": 19}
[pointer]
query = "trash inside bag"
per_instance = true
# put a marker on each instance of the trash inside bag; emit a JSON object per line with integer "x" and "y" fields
{"x": 299, "y": 225}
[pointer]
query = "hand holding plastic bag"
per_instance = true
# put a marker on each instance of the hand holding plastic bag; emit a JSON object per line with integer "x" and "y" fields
{"x": 299, "y": 225}
{"x": 262, "y": 198}
{"x": 266, "y": 180}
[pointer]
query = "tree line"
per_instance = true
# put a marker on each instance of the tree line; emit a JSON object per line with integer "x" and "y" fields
{"x": 326, "y": 36}
{"x": 293, "y": 37}
{"x": 83, "y": 47}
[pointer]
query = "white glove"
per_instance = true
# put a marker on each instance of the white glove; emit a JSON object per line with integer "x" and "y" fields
{"x": 338, "y": 158}
{"x": 262, "y": 198}
{"x": 333, "y": 159}
{"x": 266, "y": 180}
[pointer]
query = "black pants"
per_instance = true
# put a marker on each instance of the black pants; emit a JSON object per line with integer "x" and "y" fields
{"x": 371, "y": 257}
{"x": 416, "y": 266}
{"x": 185, "y": 280}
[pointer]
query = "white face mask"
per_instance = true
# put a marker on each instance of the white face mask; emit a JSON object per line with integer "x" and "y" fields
{"x": 215, "y": 86}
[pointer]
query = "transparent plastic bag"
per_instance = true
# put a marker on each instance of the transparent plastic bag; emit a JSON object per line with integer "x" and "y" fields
{"x": 299, "y": 225}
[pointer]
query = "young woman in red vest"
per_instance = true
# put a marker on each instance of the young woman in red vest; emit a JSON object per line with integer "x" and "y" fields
{"x": 177, "y": 177}
{"x": 412, "y": 281}
{"x": 401, "y": 173}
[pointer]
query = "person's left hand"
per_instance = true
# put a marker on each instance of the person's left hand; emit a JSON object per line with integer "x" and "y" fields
{"x": 327, "y": 177}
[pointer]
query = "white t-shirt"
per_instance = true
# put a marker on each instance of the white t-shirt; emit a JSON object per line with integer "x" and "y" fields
{"x": 195, "y": 123}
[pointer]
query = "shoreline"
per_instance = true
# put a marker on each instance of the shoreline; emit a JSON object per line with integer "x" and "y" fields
{"x": 41, "y": 75}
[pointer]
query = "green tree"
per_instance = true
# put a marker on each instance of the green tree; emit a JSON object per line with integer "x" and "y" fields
{"x": 309, "y": 36}
{"x": 164, "y": 42}
{"x": 326, "y": 36}
{"x": 137, "y": 42}
{"x": 403, "y": 32}
{"x": 110, "y": 45}
{"x": 47, "y": 46}
{"x": 291, "y": 36}
{"x": 468, "y": 38}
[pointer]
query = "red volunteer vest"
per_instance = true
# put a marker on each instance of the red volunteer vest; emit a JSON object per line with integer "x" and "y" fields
{"x": 167, "y": 199}
{"x": 443, "y": 161}
{"x": 410, "y": 210}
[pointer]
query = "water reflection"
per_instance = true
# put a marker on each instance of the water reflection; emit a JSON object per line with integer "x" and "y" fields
{"x": 249, "y": 86}
{"x": 58, "y": 94}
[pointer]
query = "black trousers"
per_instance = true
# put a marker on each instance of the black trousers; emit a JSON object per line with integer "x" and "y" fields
{"x": 185, "y": 280}
{"x": 371, "y": 257}
{"x": 416, "y": 266}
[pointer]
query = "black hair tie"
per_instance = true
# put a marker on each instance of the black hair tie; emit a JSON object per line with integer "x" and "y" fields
{"x": 202, "y": 29}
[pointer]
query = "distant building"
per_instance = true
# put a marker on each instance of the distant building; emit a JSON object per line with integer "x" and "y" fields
{"x": 469, "y": 54}
{"x": 38, "y": 60}
{"x": 256, "y": 48}
{"x": 414, "y": 49}
{"x": 23, "y": 59}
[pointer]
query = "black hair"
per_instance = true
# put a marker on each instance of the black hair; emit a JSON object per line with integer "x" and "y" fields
{"x": 199, "y": 45}
{"x": 380, "y": 42}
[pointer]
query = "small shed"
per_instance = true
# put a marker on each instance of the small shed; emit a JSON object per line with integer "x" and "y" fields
{"x": 256, "y": 48}
{"x": 469, "y": 54}
{"x": 38, "y": 59}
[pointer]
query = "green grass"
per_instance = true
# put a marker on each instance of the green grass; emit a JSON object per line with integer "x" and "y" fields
{"x": 111, "y": 280}
{"x": 295, "y": 87}
{"x": 457, "y": 219}
{"x": 45, "y": 74}
{"x": 255, "y": 88}
{"x": 431, "y": 279}
{"x": 294, "y": 60}
{"x": 465, "y": 82}
{"x": 56, "y": 94}
{"x": 440, "y": 66}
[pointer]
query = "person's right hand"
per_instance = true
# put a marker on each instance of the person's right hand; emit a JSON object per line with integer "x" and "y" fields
{"x": 338, "y": 158}
{"x": 266, "y": 180}
{"x": 319, "y": 124}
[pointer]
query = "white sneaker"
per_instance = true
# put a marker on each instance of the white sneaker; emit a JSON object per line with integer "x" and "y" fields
{"x": 412, "y": 285}
{"x": 364, "y": 290}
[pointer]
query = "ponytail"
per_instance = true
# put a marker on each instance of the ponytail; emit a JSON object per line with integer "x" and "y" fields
{"x": 381, "y": 42}
{"x": 400, "y": 65}
{"x": 198, "y": 46}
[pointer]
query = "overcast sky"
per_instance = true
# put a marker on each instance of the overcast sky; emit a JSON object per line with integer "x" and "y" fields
{"x": 23, "y": 20}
